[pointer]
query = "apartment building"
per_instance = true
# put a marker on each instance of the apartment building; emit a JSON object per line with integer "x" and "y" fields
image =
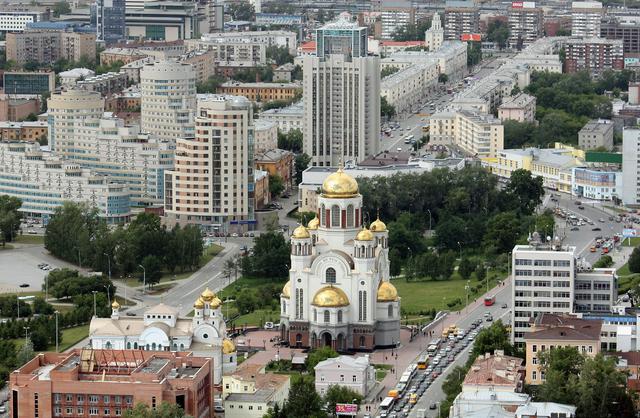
{"x": 124, "y": 55}
{"x": 108, "y": 382}
{"x": 475, "y": 133}
{"x": 23, "y": 131}
{"x": 461, "y": 17}
{"x": 53, "y": 42}
{"x": 261, "y": 92}
{"x": 626, "y": 28}
{"x": 66, "y": 110}
{"x": 250, "y": 392}
{"x": 226, "y": 53}
{"x": 28, "y": 82}
{"x": 203, "y": 62}
{"x": 286, "y": 118}
{"x": 219, "y": 190}
{"x": 544, "y": 276}
{"x": 106, "y": 84}
{"x": 17, "y": 20}
{"x": 550, "y": 331}
{"x": 356, "y": 373}
{"x": 521, "y": 108}
{"x": 596, "y": 134}
{"x": 267, "y": 38}
{"x": 631, "y": 166}
{"x": 525, "y": 23}
{"x": 44, "y": 183}
{"x": 593, "y": 55}
{"x": 406, "y": 89}
{"x": 585, "y": 18}
{"x": 394, "y": 15}
{"x": 15, "y": 109}
{"x": 341, "y": 86}
{"x": 168, "y": 99}
{"x": 277, "y": 162}
{"x": 266, "y": 135}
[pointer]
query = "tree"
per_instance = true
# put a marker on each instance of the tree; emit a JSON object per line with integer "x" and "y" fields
{"x": 340, "y": 394}
{"x": 270, "y": 257}
{"x": 61, "y": 8}
{"x": 26, "y": 353}
{"x": 318, "y": 355}
{"x": 9, "y": 217}
{"x": 291, "y": 141}
{"x": 634, "y": 261}
{"x": 502, "y": 233}
{"x": 386, "y": 109}
{"x": 474, "y": 53}
{"x": 388, "y": 70}
{"x": 495, "y": 337}
{"x": 276, "y": 185}
{"x": 519, "y": 134}
{"x": 498, "y": 32}
{"x": 166, "y": 410}
{"x": 303, "y": 399}
{"x": 561, "y": 367}
{"x": 279, "y": 54}
{"x": 152, "y": 270}
{"x": 443, "y": 78}
{"x": 603, "y": 262}
{"x": 211, "y": 85}
{"x": 301, "y": 163}
{"x": 246, "y": 302}
{"x": 411, "y": 32}
{"x": 525, "y": 190}
{"x": 241, "y": 10}
{"x": 465, "y": 268}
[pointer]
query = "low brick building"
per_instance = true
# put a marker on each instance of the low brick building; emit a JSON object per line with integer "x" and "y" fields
{"x": 23, "y": 131}
{"x": 87, "y": 382}
{"x": 261, "y": 92}
{"x": 277, "y": 162}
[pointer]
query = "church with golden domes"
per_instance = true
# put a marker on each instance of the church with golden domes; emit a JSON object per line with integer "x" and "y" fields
{"x": 338, "y": 293}
{"x": 161, "y": 329}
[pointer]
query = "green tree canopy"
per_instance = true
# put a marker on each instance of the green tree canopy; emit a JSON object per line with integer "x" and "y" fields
{"x": 498, "y": 32}
{"x": 279, "y": 54}
{"x": 340, "y": 394}
{"x": 241, "y": 10}
{"x": 387, "y": 110}
{"x": 318, "y": 355}
{"x": 165, "y": 410}
{"x": 61, "y": 8}
{"x": 276, "y": 185}
{"x": 270, "y": 257}
{"x": 10, "y": 217}
{"x": 495, "y": 337}
{"x": 634, "y": 261}
{"x": 291, "y": 141}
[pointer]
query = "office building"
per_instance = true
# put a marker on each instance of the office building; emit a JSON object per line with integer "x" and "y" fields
{"x": 160, "y": 328}
{"x": 88, "y": 382}
{"x": 476, "y": 134}
{"x": 261, "y": 92}
{"x": 525, "y": 24}
{"x": 521, "y": 108}
{"x": 110, "y": 21}
{"x": 586, "y": 18}
{"x": 593, "y": 55}
{"x": 596, "y": 134}
{"x": 554, "y": 331}
{"x": 434, "y": 36}
{"x": 631, "y": 166}
{"x": 212, "y": 182}
{"x": 49, "y": 43}
{"x": 168, "y": 99}
{"x": 626, "y": 28}
{"x": 17, "y": 20}
{"x": 341, "y": 96}
{"x": 286, "y": 118}
{"x": 356, "y": 373}
{"x": 66, "y": 110}
{"x": 250, "y": 392}
{"x": 16, "y": 108}
{"x": 23, "y": 131}
{"x": 461, "y": 17}
{"x": 165, "y": 21}
{"x": 396, "y": 14}
{"x": 596, "y": 183}
{"x": 44, "y": 183}
{"x": 28, "y": 82}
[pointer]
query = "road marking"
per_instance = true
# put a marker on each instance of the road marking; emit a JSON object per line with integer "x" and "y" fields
{"x": 196, "y": 288}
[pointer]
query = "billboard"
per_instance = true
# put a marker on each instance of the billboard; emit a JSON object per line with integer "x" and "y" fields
{"x": 523, "y": 4}
{"x": 346, "y": 408}
{"x": 465, "y": 37}
{"x": 629, "y": 233}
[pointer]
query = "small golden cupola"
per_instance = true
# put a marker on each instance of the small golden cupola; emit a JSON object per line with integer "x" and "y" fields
{"x": 378, "y": 226}
{"x": 313, "y": 224}
{"x": 301, "y": 233}
{"x": 387, "y": 292}
{"x": 228, "y": 346}
{"x": 207, "y": 295}
{"x": 364, "y": 235}
{"x": 286, "y": 290}
{"x": 199, "y": 303}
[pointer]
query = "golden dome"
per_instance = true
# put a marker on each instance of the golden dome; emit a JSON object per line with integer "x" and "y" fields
{"x": 314, "y": 223}
{"x": 199, "y": 304}
{"x": 339, "y": 185}
{"x": 115, "y": 305}
{"x": 207, "y": 295}
{"x": 364, "y": 235}
{"x": 378, "y": 226}
{"x": 215, "y": 303}
{"x": 300, "y": 232}
{"x": 387, "y": 292}
{"x": 330, "y": 297}
{"x": 286, "y": 290}
{"x": 228, "y": 346}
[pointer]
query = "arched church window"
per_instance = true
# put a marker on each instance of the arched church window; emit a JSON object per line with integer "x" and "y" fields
{"x": 350, "y": 216}
{"x": 339, "y": 317}
{"x": 390, "y": 311}
{"x": 327, "y": 317}
{"x": 323, "y": 216}
{"x": 330, "y": 275}
{"x": 315, "y": 316}
{"x": 335, "y": 216}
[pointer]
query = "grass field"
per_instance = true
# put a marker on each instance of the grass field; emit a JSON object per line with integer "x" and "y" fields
{"x": 624, "y": 270}
{"x": 635, "y": 241}
{"x": 30, "y": 239}
{"x": 70, "y": 337}
{"x": 6, "y": 247}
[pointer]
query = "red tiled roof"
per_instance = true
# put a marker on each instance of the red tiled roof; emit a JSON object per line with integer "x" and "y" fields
{"x": 632, "y": 357}
{"x": 401, "y": 43}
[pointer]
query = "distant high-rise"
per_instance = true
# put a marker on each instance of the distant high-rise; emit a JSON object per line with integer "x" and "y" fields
{"x": 110, "y": 22}
{"x": 66, "y": 112}
{"x": 395, "y": 15}
{"x": 460, "y": 18}
{"x": 168, "y": 99}
{"x": 434, "y": 36}
{"x": 586, "y": 18}
{"x": 341, "y": 96}
{"x": 525, "y": 23}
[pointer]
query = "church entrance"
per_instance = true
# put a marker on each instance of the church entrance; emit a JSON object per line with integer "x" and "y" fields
{"x": 340, "y": 343}
{"x": 326, "y": 339}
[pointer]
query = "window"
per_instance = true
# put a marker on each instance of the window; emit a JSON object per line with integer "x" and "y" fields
{"x": 69, "y": 410}
{"x": 93, "y": 398}
{"x": 390, "y": 311}
{"x": 93, "y": 411}
{"x": 69, "y": 397}
{"x": 354, "y": 379}
{"x": 342, "y": 378}
{"x": 534, "y": 360}
{"x": 327, "y": 317}
{"x": 335, "y": 216}
{"x": 350, "y": 216}
{"x": 339, "y": 317}
{"x": 57, "y": 411}
{"x": 330, "y": 275}
{"x": 534, "y": 375}
{"x": 106, "y": 398}
{"x": 315, "y": 319}
{"x": 534, "y": 348}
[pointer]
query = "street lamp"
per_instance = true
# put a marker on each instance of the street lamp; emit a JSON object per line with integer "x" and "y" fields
{"x": 108, "y": 295}
{"x": 109, "y": 261}
{"x": 94, "y": 303}
{"x": 57, "y": 313}
{"x": 26, "y": 334}
{"x": 466, "y": 288}
{"x": 144, "y": 278}
{"x": 460, "y": 246}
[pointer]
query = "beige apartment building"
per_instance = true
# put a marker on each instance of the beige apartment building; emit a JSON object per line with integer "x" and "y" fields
{"x": 550, "y": 331}
{"x": 474, "y": 133}
{"x": 521, "y": 108}
{"x": 49, "y": 46}
{"x": 212, "y": 182}
{"x": 67, "y": 109}
{"x": 250, "y": 392}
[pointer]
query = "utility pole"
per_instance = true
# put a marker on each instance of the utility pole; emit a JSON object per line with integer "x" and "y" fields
{"x": 109, "y": 261}
{"x": 26, "y": 335}
{"x": 56, "y": 312}
{"x": 144, "y": 278}
{"x": 94, "y": 303}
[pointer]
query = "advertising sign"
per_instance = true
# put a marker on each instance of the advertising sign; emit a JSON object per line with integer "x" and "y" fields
{"x": 346, "y": 408}
{"x": 523, "y": 4}
{"x": 629, "y": 233}
{"x": 465, "y": 37}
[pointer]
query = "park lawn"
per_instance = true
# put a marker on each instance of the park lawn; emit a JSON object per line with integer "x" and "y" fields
{"x": 210, "y": 252}
{"x": 71, "y": 336}
{"x": 124, "y": 302}
{"x": 635, "y": 241}
{"x": 64, "y": 308}
{"x": 257, "y": 317}
{"x": 624, "y": 270}
{"x": 243, "y": 282}
{"x": 30, "y": 239}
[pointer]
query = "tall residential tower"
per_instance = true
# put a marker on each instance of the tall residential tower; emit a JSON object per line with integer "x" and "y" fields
{"x": 341, "y": 96}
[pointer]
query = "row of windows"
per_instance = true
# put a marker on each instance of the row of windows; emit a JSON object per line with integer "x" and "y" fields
{"x": 80, "y": 398}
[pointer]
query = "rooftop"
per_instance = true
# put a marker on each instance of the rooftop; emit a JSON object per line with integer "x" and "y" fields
{"x": 360, "y": 363}
{"x": 518, "y": 101}
{"x": 272, "y": 155}
{"x": 563, "y": 327}
{"x": 601, "y": 126}
{"x": 495, "y": 370}
{"x": 261, "y": 85}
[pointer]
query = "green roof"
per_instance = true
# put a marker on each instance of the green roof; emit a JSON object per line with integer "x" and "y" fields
{"x": 603, "y": 157}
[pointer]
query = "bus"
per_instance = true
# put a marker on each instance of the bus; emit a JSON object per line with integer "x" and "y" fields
{"x": 432, "y": 348}
{"x": 423, "y": 361}
{"x": 405, "y": 378}
{"x": 489, "y": 300}
{"x": 386, "y": 405}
